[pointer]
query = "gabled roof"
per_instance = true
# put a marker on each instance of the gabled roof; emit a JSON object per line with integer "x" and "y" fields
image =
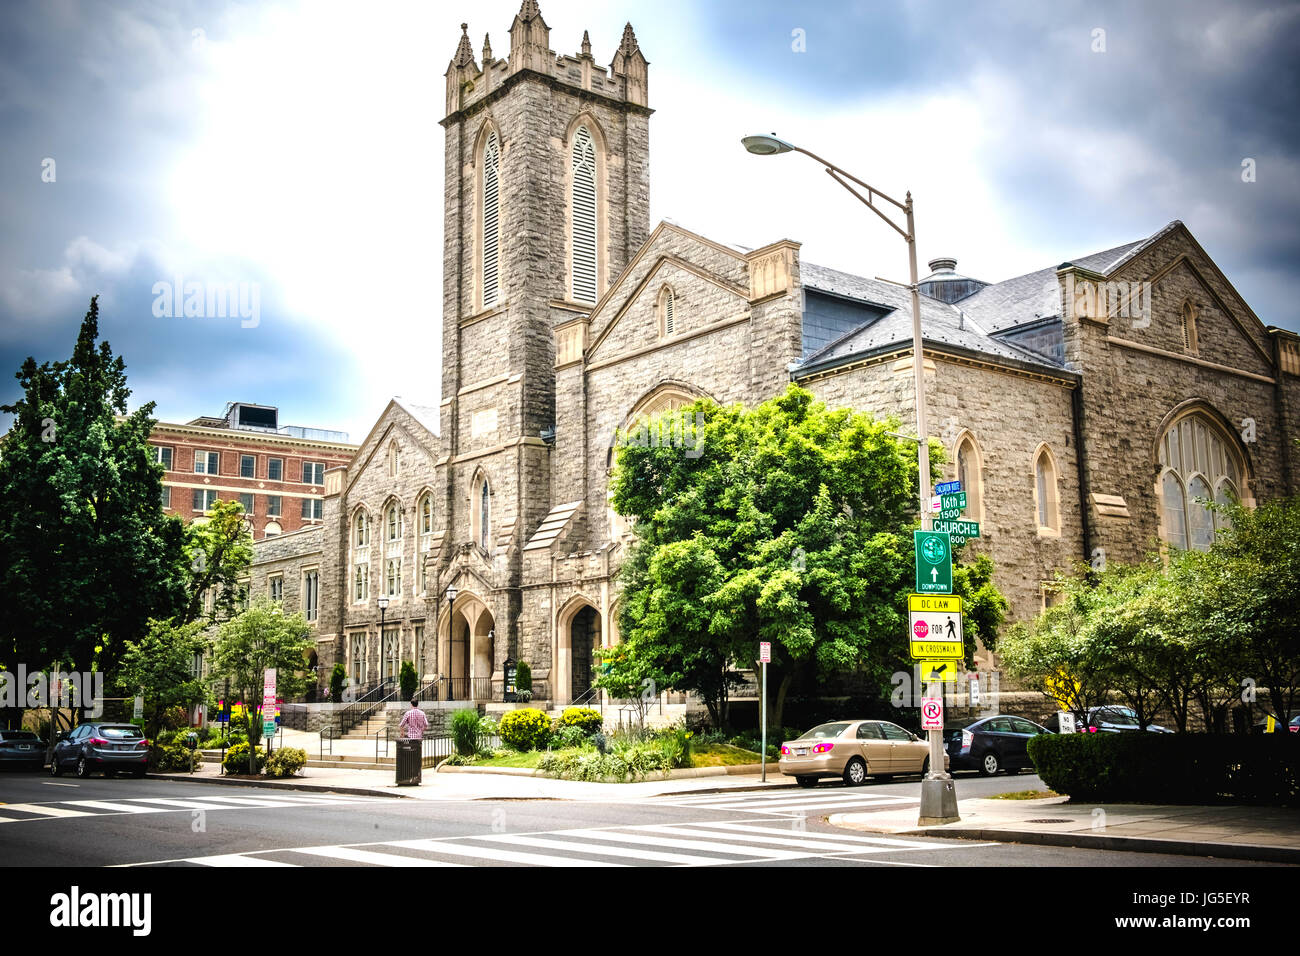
{"x": 426, "y": 415}
{"x": 941, "y": 323}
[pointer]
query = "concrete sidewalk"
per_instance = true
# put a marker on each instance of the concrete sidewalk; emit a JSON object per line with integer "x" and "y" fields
{"x": 1232, "y": 832}
{"x": 482, "y": 786}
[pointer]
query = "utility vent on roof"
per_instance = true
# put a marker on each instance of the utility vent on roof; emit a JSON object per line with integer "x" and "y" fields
{"x": 943, "y": 282}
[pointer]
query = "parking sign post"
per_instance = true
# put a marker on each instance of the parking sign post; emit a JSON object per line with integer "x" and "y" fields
{"x": 764, "y": 655}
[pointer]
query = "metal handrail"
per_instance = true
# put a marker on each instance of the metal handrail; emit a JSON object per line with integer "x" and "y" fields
{"x": 430, "y": 690}
{"x": 357, "y": 710}
{"x": 388, "y": 735}
{"x": 326, "y": 734}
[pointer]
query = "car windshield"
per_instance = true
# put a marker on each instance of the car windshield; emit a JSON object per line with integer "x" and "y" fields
{"x": 822, "y": 731}
{"x": 122, "y": 733}
{"x": 1119, "y": 715}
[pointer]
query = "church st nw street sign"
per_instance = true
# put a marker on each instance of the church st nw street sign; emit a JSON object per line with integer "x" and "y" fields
{"x": 961, "y": 529}
{"x": 933, "y": 562}
{"x": 947, "y": 488}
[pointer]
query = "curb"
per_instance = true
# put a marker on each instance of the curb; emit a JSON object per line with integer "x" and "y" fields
{"x": 1227, "y": 851}
{"x": 682, "y": 774}
{"x": 268, "y": 785}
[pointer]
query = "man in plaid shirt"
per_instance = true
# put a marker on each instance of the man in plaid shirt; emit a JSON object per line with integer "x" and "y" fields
{"x": 414, "y": 723}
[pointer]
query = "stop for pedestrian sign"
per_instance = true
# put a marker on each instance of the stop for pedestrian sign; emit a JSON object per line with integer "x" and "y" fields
{"x": 932, "y": 714}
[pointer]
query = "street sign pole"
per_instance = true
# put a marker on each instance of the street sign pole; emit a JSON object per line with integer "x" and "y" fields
{"x": 763, "y": 697}
{"x": 764, "y": 655}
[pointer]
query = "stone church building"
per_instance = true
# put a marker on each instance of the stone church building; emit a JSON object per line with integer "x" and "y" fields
{"x": 1087, "y": 407}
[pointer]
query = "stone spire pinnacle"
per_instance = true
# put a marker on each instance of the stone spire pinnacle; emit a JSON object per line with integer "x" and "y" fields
{"x": 529, "y": 10}
{"x": 487, "y": 49}
{"x": 628, "y": 45}
{"x": 586, "y": 44}
{"x": 464, "y": 54}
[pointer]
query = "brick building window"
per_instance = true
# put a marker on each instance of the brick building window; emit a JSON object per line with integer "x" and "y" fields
{"x": 163, "y": 456}
{"x": 206, "y": 463}
{"x": 247, "y": 466}
{"x": 275, "y": 469}
{"x": 166, "y": 497}
{"x": 246, "y": 499}
{"x": 273, "y": 505}
{"x": 203, "y": 500}
{"x": 313, "y": 473}
{"x": 313, "y": 509}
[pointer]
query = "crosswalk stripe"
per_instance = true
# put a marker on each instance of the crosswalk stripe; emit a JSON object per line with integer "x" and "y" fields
{"x": 812, "y": 835}
{"x": 493, "y": 853}
{"x": 249, "y": 802}
{"x": 43, "y": 810}
{"x": 776, "y": 838}
{"x": 811, "y": 804}
{"x": 353, "y": 855}
{"x": 637, "y": 854}
{"x": 185, "y": 804}
{"x": 116, "y": 807}
{"x": 735, "y": 849}
{"x": 235, "y": 859}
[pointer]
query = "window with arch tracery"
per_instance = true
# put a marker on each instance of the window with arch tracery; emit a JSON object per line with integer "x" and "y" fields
{"x": 1199, "y": 463}
{"x": 1190, "y": 343}
{"x": 1046, "y": 499}
{"x": 491, "y": 221}
{"x": 480, "y": 513}
{"x": 360, "y": 557}
{"x": 393, "y": 522}
{"x": 583, "y": 220}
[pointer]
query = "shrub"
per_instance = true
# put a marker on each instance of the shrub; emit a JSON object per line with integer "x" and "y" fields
{"x": 527, "y": 729}
{"x": 587, "y": 719}
{"x": 337, "y": 676}
{"x": 285, "y": 762}
{"x": 409, "y": 680}
{"x": 175, "y": 758}
{"x": 524, "y": 678}
{"x": 466, "y": 725}
{"x": 174, "y": 718}
{"x": 568, "y": 737}
{"x": 237, "y": 759}
{"x": 625, "y": 762}
{"x": 1171, "y": 768}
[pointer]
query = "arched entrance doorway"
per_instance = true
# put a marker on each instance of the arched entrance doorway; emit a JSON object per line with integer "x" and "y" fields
{"x": 467, "y": 650}
{"x": 579, "y": 635}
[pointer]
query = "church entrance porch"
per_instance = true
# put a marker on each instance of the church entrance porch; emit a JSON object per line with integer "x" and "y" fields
{"x": 466, "y": 645}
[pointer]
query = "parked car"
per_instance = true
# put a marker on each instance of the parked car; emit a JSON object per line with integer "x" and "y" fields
{"x": 992, "y": 744}
{"x": 1113, "y": 719}
{"x": 854, "y": 750}
{"x": 106, "y": 747}
{"x": 21, "y": 748}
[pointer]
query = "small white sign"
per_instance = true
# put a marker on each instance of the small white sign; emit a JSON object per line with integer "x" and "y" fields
{"x": 138, "y": 711}
{"x": 974, "y": 689}
{"x": 1065, "y": 720}
{"x": 932, "y": 713}
{"x": 765, "y": 652}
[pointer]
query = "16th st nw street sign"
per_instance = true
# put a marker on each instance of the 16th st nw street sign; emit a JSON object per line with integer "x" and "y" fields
{"x": 933, "y": 562}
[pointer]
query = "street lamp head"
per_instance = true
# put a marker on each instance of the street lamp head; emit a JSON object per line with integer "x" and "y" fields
{"x": 766, "y": 145}
{"x": 451, "y": 594}
{"x": 383, "y": 603}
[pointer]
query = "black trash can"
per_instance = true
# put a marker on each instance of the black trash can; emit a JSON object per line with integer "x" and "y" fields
{"x": 409, "y": 764}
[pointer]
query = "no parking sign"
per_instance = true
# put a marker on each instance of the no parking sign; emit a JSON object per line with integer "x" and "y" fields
{"x": 932, "y": 714}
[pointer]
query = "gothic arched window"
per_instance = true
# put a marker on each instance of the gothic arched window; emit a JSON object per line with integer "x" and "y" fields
{"x": 970, "y": 474}
{"x": 667, "y": 311}
{"x": 491, "y": 221}
{"x": 1190, "y": 343}
{"x": 484, "y": 515}
{"x": 582, "y": 205}
{"x": 1046, "y": 499}
{"x": 1199, "y": 463}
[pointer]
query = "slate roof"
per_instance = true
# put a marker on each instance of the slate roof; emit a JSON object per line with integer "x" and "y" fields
{"x": 426, "y": 415}
{"x": 971, "y": 324}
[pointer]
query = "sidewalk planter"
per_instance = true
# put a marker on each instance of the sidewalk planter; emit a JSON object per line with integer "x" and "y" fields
{"x": 1171, "y": 768}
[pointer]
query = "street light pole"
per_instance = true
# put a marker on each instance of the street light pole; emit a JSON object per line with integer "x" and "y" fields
{"x": 451, "y": 637}
{"x": 383, "y": 609}
{"x": 938, "y": 798}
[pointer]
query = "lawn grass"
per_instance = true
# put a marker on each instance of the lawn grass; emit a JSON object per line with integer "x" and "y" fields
{"x": 702, "y": 755}
{"x": 1024, "y": 795}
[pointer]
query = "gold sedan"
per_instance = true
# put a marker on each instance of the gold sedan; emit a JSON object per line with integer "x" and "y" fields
{"x": 854, "y": 750}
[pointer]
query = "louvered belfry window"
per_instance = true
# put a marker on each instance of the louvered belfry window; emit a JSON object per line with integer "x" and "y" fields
{"x": 491, "y": 221}
{"x": 666, "y": 305}
{"x": 584, "y": 216}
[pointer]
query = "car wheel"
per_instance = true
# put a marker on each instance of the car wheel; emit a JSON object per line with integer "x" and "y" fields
{"x": 55, "y": 769}
{"x": 83, "y": 768}
{"x": 855, "y": 773}
{"x": 806, "y": 781}
{"x": 989, "y": 764}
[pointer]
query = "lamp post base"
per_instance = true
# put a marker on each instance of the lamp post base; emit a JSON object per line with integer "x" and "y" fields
{"x": 938, "y": 802}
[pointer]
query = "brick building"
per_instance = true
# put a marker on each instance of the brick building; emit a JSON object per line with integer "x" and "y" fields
{"x": 1086, "y": 407}
{"x": 277, "y": 472}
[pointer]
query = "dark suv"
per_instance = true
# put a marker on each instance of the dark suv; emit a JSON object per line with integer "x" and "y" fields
{"x": 106, "y": 747}
{"x": 993, "y": 744}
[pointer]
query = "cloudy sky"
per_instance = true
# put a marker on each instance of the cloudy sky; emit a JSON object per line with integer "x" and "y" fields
{"x": 293, "y": 148}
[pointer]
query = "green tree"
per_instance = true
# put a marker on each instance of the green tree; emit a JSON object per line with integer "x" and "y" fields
{"x": 220, "y": 550}
{"x": 262, "y": 636}
{"x": 632, "y": 672}
{"x": 160, "y": 665}
{"x": 87, "y": 556}
{"x": 790, "y": 523}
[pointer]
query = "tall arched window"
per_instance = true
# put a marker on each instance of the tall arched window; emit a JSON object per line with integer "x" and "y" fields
{"x": 491, "y": 221}
{"x": 970, "y": 473}
{"x": 360, "y": 557}
{"x": 1199, "y": 462}
{"x": 484, "y": 516}
{"x": 582, "y": 205}
{"x": 1046, "y": 499}
{"x": 667, "y": 311}
{"x": 393, "y": 522}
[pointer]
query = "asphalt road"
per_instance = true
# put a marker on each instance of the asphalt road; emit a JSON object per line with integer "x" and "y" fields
{"x": 97, "y": 822}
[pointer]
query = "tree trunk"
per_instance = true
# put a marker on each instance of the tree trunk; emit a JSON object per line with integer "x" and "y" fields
{"x": 778, "y": 705}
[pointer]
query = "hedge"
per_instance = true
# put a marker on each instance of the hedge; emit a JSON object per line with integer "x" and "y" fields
{"x": 584, "y": 718}
{"x": 1171, "y": 768}
{"x": 527, "y": 729}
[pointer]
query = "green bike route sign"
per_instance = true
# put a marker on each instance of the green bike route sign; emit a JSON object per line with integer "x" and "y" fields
{"x": 933, "y": 562}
